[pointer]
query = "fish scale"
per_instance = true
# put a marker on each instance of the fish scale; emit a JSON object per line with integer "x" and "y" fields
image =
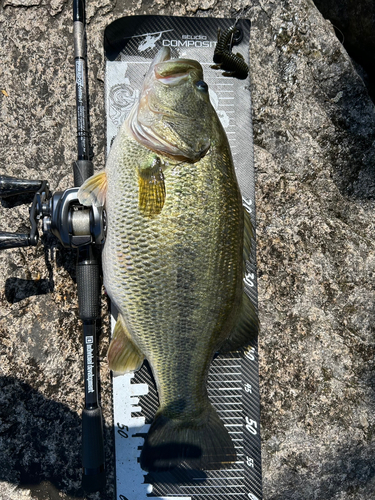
{"x": 241, "y": 407}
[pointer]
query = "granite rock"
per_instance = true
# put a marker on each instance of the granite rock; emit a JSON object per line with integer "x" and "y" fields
{"x": 314, "y": 132}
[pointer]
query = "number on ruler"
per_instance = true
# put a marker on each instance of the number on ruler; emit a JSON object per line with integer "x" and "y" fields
{"x": 251, "y": 425}
{"x": 247, "y": 202}
{"x": 122, "y": 432}
{"x": 250, "y": 354}
{"x": 252, "y": 497}
{"x": 249, "y": 462}
{"x": 248, "y": 388}
{"x": 249, "y": 279}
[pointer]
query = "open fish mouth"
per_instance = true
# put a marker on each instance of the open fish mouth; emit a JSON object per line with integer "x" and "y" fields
{"x": 173, "y": 71}
{"x": 169, "y": 71}
{"x": 153, "y": 123}
{"x": 172, "y": 79}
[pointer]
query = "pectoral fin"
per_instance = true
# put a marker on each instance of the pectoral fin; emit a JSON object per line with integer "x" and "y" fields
{"x": 94, "y": 190}
{"x": 123, "y": 355}
{"x": 151, "y": 188}
{"x": 246, "y": 328}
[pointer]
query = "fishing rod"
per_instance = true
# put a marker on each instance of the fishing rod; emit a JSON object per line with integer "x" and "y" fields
{"x": 88, "y": 276}
{"x": 81, "y": 228}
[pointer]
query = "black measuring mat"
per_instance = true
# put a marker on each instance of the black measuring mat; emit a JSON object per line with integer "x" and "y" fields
{"x": 130, "y": 45}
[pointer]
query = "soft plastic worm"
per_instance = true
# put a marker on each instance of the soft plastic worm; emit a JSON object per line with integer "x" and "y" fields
{"x": 233, "y": 64}
{"x": 224, "y": 43}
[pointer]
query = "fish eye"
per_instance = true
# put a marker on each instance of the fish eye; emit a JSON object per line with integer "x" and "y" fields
{"x": 202, "y": 86}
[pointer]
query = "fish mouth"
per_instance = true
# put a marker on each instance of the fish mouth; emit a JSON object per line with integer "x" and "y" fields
{"x": 173, "y": 71}
{"x": 163, "y": 55}
{"x": 169, "y": 71}
{"x": 145, "y": 117}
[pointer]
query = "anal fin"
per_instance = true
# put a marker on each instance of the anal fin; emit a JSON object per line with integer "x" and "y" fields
{"x": 123, "y": 355}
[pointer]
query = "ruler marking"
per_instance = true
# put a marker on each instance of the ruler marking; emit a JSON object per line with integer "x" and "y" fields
{"x": 225, "y": 381}
{"x": 223, "y": 396}
{"x": 216, "y": 478}
{"x": 226, "y": 373}
{"x": 221, "y": 78}
{"x": 230, "y": 403}
{"x": 175, "y": 497}
{"x": 215, "y": 367}
{"x": 219, "y": 486}
{"x": 228, "y": 359}
{"x": 230, "y": 411}
{"x": 212, "y": 494}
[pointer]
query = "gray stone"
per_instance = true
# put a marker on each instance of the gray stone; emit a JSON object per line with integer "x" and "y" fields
{"x": 21, "y": 3}
{"x": 314, "y": 131}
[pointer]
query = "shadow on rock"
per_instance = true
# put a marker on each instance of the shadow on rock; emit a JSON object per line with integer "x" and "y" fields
{"x": 354, "y": 23}
{"x": 354, "y": 119}
{"x": 40, "y": 442}
{"x": 17, "y": 289}
{"x": 18, "y": 200}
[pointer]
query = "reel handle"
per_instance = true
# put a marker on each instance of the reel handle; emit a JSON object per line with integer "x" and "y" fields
{"x": 12, "y": 186}
{"x": 14, "y": 240}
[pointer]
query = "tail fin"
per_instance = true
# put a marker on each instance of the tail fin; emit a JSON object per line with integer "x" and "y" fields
{"x": 202, "y": 444}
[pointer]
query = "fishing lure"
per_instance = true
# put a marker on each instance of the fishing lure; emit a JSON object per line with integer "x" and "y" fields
{"x": 234, "y": 65}
{"x": 224, "y": 42}
{"x": 225, "y": 59}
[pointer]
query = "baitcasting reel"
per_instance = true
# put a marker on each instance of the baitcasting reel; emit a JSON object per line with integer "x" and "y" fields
{"x": 61, "y": 214}
{"x": 82, "y": 228}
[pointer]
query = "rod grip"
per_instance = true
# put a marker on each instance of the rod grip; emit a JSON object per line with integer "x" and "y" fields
{"x": 88, "y": 284}
{"x": 82, "y": 169}
{"x": 93, "y": 470}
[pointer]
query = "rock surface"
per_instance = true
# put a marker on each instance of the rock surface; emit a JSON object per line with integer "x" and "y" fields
{"x": 314, "y": 131}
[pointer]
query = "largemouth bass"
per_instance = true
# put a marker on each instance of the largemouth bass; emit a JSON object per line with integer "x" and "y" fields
{"x": 173, "y": 259}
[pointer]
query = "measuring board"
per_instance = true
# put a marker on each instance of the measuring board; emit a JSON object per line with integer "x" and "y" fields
{"x": 130, "y": 45}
